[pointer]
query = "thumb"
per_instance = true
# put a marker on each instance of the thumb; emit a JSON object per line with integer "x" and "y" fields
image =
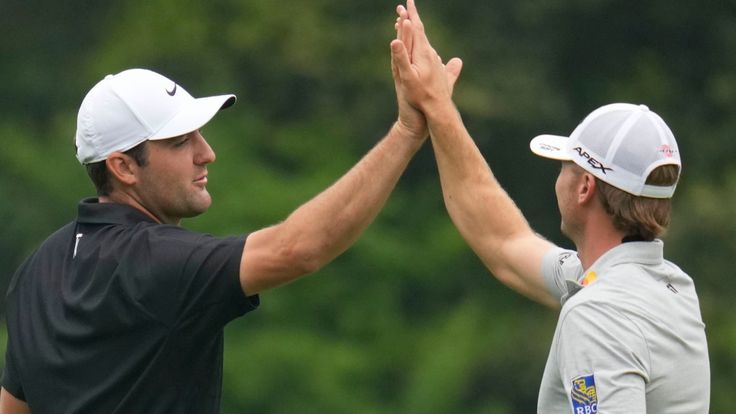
{"x": 399, "y": 59}
{"x": 452, "y": 70}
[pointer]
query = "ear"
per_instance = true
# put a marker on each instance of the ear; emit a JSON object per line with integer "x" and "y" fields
{"x": 587, "y": 188}
{"x": 122, "y": 168}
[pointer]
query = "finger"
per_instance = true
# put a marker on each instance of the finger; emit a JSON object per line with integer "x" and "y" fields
{"x": 400, "y": 59}
{"x": 414, "y": 14}
{"x": 403, "y": 15}
{"x": 407, "y": 33}
{"x": 401, "y": 11}
{"x": 395, "y": 64}
{"x": 399, "y": 28}
{"x": 452, "y": 69}
{"x": 399, "y": 19}
{"x": 420, "y": 44}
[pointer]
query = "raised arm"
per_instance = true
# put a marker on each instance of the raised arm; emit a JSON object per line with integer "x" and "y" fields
{"x": 479, "y": 207}
{"x": 327, "y": 225}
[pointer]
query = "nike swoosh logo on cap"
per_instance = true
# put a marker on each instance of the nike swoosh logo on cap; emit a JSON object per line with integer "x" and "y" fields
{"x": 171, "y": 92}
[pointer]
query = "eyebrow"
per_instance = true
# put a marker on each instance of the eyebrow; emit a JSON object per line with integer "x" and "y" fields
{"x": 176, "y": 140}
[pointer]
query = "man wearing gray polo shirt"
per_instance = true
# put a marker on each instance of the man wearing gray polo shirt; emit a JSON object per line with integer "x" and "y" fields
{"x": 630, "y": 337}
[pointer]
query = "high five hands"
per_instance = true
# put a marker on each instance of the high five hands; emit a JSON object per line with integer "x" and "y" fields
{"x": 423, "y": 83}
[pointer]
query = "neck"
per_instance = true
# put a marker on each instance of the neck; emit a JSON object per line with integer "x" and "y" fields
{"x": 124, "y": 198}
{"x": 598, "y": 237}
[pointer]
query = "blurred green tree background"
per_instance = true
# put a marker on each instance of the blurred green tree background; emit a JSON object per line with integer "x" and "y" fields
{"x": 408, "y": 320}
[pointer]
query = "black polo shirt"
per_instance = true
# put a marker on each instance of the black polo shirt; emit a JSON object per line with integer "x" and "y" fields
{"x": 115, "y": 313}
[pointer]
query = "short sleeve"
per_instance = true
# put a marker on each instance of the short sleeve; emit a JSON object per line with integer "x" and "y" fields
{"x": 183, "y": 277}
{"x": 11, "y": 381}
{"x": 561, "y": 269}
{"x": 603, "y": 360}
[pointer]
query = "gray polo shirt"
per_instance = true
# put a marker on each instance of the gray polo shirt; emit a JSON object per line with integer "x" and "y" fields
{"x": 629, "y": 339}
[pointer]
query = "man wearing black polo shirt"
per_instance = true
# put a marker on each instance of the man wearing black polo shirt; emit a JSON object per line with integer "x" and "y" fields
{"x": 122, "y": 310}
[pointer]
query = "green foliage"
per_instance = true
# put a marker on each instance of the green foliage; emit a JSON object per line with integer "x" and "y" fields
{"x": 408, "y": 320}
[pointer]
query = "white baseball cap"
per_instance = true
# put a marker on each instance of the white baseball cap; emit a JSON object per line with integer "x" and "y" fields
{"x": 620, "y": 144}
{"x": 123, "y": 110}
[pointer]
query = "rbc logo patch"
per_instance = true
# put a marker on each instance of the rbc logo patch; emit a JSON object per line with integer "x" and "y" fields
{"x": 584, "y": 396}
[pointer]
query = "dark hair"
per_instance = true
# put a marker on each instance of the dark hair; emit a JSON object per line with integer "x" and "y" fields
{"x": 641, "y": 218}
{"x": 100, "y": 176}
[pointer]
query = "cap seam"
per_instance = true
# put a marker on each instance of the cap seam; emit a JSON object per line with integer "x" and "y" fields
{"x": 621, "y": 135}
{"x": 131, "y": 109}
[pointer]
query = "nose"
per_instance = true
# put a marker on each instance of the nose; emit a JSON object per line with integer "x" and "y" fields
{"x": 204, "y": 154}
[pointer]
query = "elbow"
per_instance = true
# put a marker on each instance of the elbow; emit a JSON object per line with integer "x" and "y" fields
{"x": 309, "y": 264}
{"x": 296, "y": 252}
{"x": 303, "y": 259}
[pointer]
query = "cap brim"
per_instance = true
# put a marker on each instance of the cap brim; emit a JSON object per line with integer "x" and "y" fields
{"x": 551, "y": 146}
{"x": 194, "y": 116}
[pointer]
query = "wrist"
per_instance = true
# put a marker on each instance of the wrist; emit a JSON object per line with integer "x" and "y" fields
{"x": 440, "y": 110}
{"x": 407, "y": 132}
{"x": 443, "y": 121}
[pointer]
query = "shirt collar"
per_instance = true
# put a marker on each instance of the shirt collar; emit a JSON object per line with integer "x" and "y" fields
{"x": 90, "y": 210}
{"x": 639, "y": 252}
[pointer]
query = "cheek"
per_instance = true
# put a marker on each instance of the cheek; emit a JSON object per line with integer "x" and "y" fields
{"x": 158, "y": 181}
{"x": 563, "y": 191}
{"x": 559, "y": 186}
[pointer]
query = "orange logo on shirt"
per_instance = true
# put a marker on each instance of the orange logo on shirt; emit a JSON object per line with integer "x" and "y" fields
{"x": 589, "y": 278}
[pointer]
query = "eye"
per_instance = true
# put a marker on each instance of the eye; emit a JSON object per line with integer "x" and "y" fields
{"x": 182, "y": 141}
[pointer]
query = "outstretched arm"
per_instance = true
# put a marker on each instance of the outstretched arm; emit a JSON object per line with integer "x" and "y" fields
{"x": 479, "y": 207}
{"x": 327, "y": 225}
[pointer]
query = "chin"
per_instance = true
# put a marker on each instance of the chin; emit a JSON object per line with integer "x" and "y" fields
{"x": 199, "y": 205}
{"x": 203, "y": 207}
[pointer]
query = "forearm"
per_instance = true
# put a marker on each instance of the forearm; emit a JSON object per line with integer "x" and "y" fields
{"x": 477, "y": 204}
{"x": 332, "y": 221}
{"x": 482, "y": 211}
{"x": 328, "y": 224}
